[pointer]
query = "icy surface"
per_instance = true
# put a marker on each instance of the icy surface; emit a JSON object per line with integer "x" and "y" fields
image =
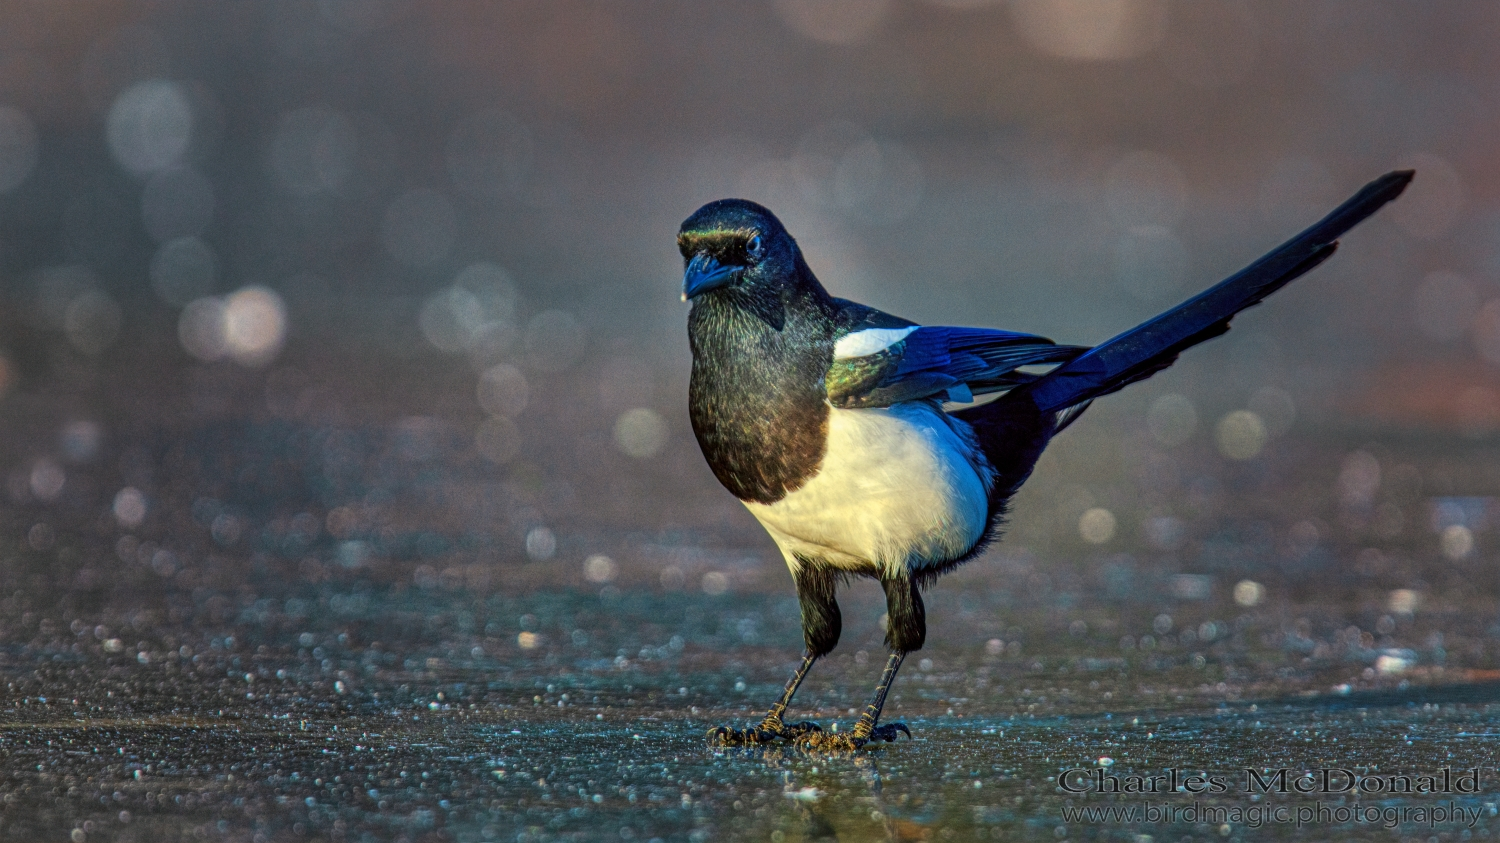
{"x": 391, "y": 713}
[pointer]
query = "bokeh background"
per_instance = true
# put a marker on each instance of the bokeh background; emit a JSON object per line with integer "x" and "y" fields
{"x": 377, "y": 288}
{"x": 343, "y": 379}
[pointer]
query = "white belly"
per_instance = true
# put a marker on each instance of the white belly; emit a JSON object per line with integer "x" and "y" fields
{"x": 900, "y": 488}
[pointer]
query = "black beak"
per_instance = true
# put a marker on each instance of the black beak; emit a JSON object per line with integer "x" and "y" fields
{"x": 705, "y": 273}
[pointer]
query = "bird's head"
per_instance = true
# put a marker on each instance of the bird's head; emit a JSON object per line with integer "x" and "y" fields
{"x": 737, "y": 245}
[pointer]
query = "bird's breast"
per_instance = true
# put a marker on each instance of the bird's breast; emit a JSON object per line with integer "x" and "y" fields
{"x": 757, "y": 401}
{"x": 901, "y": 487}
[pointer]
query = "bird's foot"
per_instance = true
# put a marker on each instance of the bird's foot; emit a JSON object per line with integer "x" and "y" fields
{"x": 888, "y": 732}
{"x": 793, "y": 731}
{"x": 846, "y": 742}
{"x": 728, "y": 736}
{"x": 769, "y": 731}
{"x": 831, "y": 742}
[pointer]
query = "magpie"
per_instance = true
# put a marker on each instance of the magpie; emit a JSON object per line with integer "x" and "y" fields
{"x": 831, "y": 421}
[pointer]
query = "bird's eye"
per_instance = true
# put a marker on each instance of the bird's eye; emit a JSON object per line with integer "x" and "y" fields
{"x": 753, "y": 247}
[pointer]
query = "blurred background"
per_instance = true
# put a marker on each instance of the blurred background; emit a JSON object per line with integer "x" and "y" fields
{"x": 343, "y": 384}
{"x": 305, "y": 295}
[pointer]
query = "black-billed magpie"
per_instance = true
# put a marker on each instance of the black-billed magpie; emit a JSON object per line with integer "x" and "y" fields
{"x": 826, "y": 418}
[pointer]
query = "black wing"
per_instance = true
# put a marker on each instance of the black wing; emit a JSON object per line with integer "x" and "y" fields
{"x": 895, "y": 362}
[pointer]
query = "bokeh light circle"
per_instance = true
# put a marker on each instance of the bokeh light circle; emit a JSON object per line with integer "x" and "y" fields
{"x": 254, "y": 325}
{"x": 833, "y": 21}
{"x": 503, "y": 391}
{"x": 1240, "y": 435}
{"x": 599, "y": 568}
{"x": 1091, "y": 30}
{"x": 129, "y": 507}
{"x": 1097, "y": 525}
{"x": 1172, "y": 419}
{"x": 150, "y": 126}
{"x": 200, "y": 329}
{"x": 80, "y": 440}
{"x": 640, "y": 433}
{"x": 1249, "y": 593}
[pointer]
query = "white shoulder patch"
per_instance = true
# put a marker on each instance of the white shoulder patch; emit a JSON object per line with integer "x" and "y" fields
{"x": 869, "y": 341}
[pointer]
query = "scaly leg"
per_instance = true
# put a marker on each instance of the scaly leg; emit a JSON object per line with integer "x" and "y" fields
{"x": 866, "y": 728}
{"x": 905, "y": 631}
{"x": 771, "y": 728}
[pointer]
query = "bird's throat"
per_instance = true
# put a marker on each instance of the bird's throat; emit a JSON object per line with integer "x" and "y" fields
{"x": 757, "y": 400}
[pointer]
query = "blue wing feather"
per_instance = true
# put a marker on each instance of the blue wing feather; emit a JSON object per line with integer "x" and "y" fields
{"x": 942, "y": 362}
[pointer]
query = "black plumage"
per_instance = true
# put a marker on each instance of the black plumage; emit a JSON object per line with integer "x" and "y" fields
{"x": 825, "y": 417}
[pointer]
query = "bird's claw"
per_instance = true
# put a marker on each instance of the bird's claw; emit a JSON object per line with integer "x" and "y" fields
{"x": 793, "y": 731}
{"x": 726, "y": 736}
{"x": 764, "y": 733}
{"x": 846, "y": 742}
{"x": 831, "y": 742}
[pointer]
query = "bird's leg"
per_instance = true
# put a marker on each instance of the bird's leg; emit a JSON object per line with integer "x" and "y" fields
{"x": 906, "y": 630}
{"x": 865, "y": 729}
{"x": 821, "y": 625}
{"x": 773, "y": 721}
{"x": 771, "y": 728}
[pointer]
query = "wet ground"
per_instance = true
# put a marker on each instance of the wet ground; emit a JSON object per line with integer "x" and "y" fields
{"x": 335, "y": 621}
{"x": 422, "y": 714}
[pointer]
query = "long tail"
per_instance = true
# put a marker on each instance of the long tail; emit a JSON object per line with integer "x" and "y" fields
{"x": 1148, "y": 348}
